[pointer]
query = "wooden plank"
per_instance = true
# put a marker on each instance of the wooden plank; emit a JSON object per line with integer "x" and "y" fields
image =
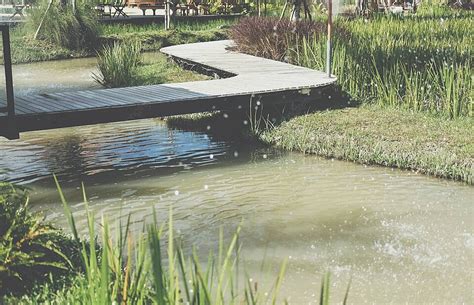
{"x": 83, "y": 100}
{"x": 44, "y": 104}
{"x": 58, "y": 103}
{"x": 27, "y": 102}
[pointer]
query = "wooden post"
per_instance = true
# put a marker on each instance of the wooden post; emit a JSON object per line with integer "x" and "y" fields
{"x": 12, "y": 132}
{"x": 328, "y": 47}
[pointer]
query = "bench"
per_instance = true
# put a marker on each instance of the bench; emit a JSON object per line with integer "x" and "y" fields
{"x": 152, "y": 7}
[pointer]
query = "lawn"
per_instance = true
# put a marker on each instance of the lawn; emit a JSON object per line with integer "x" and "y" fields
{"x": 384, "y": 136}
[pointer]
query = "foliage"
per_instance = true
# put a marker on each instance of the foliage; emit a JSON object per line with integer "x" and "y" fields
{"x": 118, "y": 64}
{"x": 25, "y": 49}
{"x": 272, "y": 38}
{"x": 421, "y": 62}
{"x": 61, "y": 26}
{"x": 29, "y": 248}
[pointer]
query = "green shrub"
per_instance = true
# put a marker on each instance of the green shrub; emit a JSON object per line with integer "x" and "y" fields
{"x": 61, "y": 26}
{"x": 30, "y": 249}
{"x": 118, "y": 64}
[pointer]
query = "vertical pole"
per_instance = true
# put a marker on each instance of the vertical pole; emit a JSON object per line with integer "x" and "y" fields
{"x": 11, "y": 132}
{"x": 328, "y": 47}
{"x": 7, "y": 61}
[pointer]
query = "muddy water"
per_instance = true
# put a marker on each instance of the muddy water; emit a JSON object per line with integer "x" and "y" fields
{"x": 402, "y": 237}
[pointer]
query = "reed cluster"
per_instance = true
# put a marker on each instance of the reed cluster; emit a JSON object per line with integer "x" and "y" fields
{"x": 421, "y": 63}
{"x": 62, "y": 26}
{"x": 118, "y": 64}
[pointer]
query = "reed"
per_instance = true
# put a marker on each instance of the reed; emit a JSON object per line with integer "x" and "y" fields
{"x": 421, "y": 63}
{"x": 118, "y": 64}
{"x": 60, "y": 25}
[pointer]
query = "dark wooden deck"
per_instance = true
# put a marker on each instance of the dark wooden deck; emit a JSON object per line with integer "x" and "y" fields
{"x": 251, "y": 78}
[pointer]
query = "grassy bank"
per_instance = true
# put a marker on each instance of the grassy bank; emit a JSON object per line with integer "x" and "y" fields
{"x": 411, "y": 74}
{"x": 25, "y": 49}
{"x": 369, "y": 134}
{"x": 383, "y": 136}
{"x": 122, "y": 65}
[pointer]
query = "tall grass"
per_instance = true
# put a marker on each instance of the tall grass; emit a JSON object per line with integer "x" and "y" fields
{"x": 118, "y": 64}
{"x": 62, "y": 26}
{"x": 270, "y": 37}
{"x": 421, "y": 63}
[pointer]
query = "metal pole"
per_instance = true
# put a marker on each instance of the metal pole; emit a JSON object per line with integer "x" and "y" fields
{"x": 7, "y": 61}
{"x": 328, "y": 47}
{"x": 12, "y": 131}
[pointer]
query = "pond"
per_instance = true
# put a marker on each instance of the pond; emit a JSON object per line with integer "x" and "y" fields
{"x": 401, "y": 236}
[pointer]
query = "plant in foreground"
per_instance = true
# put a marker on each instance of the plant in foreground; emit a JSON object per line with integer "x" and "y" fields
{"x": 29, "y": 248}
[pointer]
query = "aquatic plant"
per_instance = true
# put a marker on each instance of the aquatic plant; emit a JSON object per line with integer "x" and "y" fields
{"x": 118, "y": 64}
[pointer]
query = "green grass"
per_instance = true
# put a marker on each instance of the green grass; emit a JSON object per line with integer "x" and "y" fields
{"x": 117, "y": 29}
{"x": 25, "y": 49}
{"x": 383, "y": 136}
{"x": 156, "y": 68}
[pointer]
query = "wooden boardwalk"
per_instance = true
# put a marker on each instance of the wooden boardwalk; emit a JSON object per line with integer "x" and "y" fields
{"x": 248, "y": 77}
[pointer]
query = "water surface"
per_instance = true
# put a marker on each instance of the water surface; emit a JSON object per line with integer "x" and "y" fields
{"x": 403, "y": 237}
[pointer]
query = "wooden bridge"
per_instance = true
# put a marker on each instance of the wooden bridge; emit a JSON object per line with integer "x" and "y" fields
{"x": 247, "y": 78}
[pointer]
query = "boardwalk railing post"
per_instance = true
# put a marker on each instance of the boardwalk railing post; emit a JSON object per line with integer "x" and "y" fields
{"x": 328, "y": 46}
{"x": 12, "y": 131}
